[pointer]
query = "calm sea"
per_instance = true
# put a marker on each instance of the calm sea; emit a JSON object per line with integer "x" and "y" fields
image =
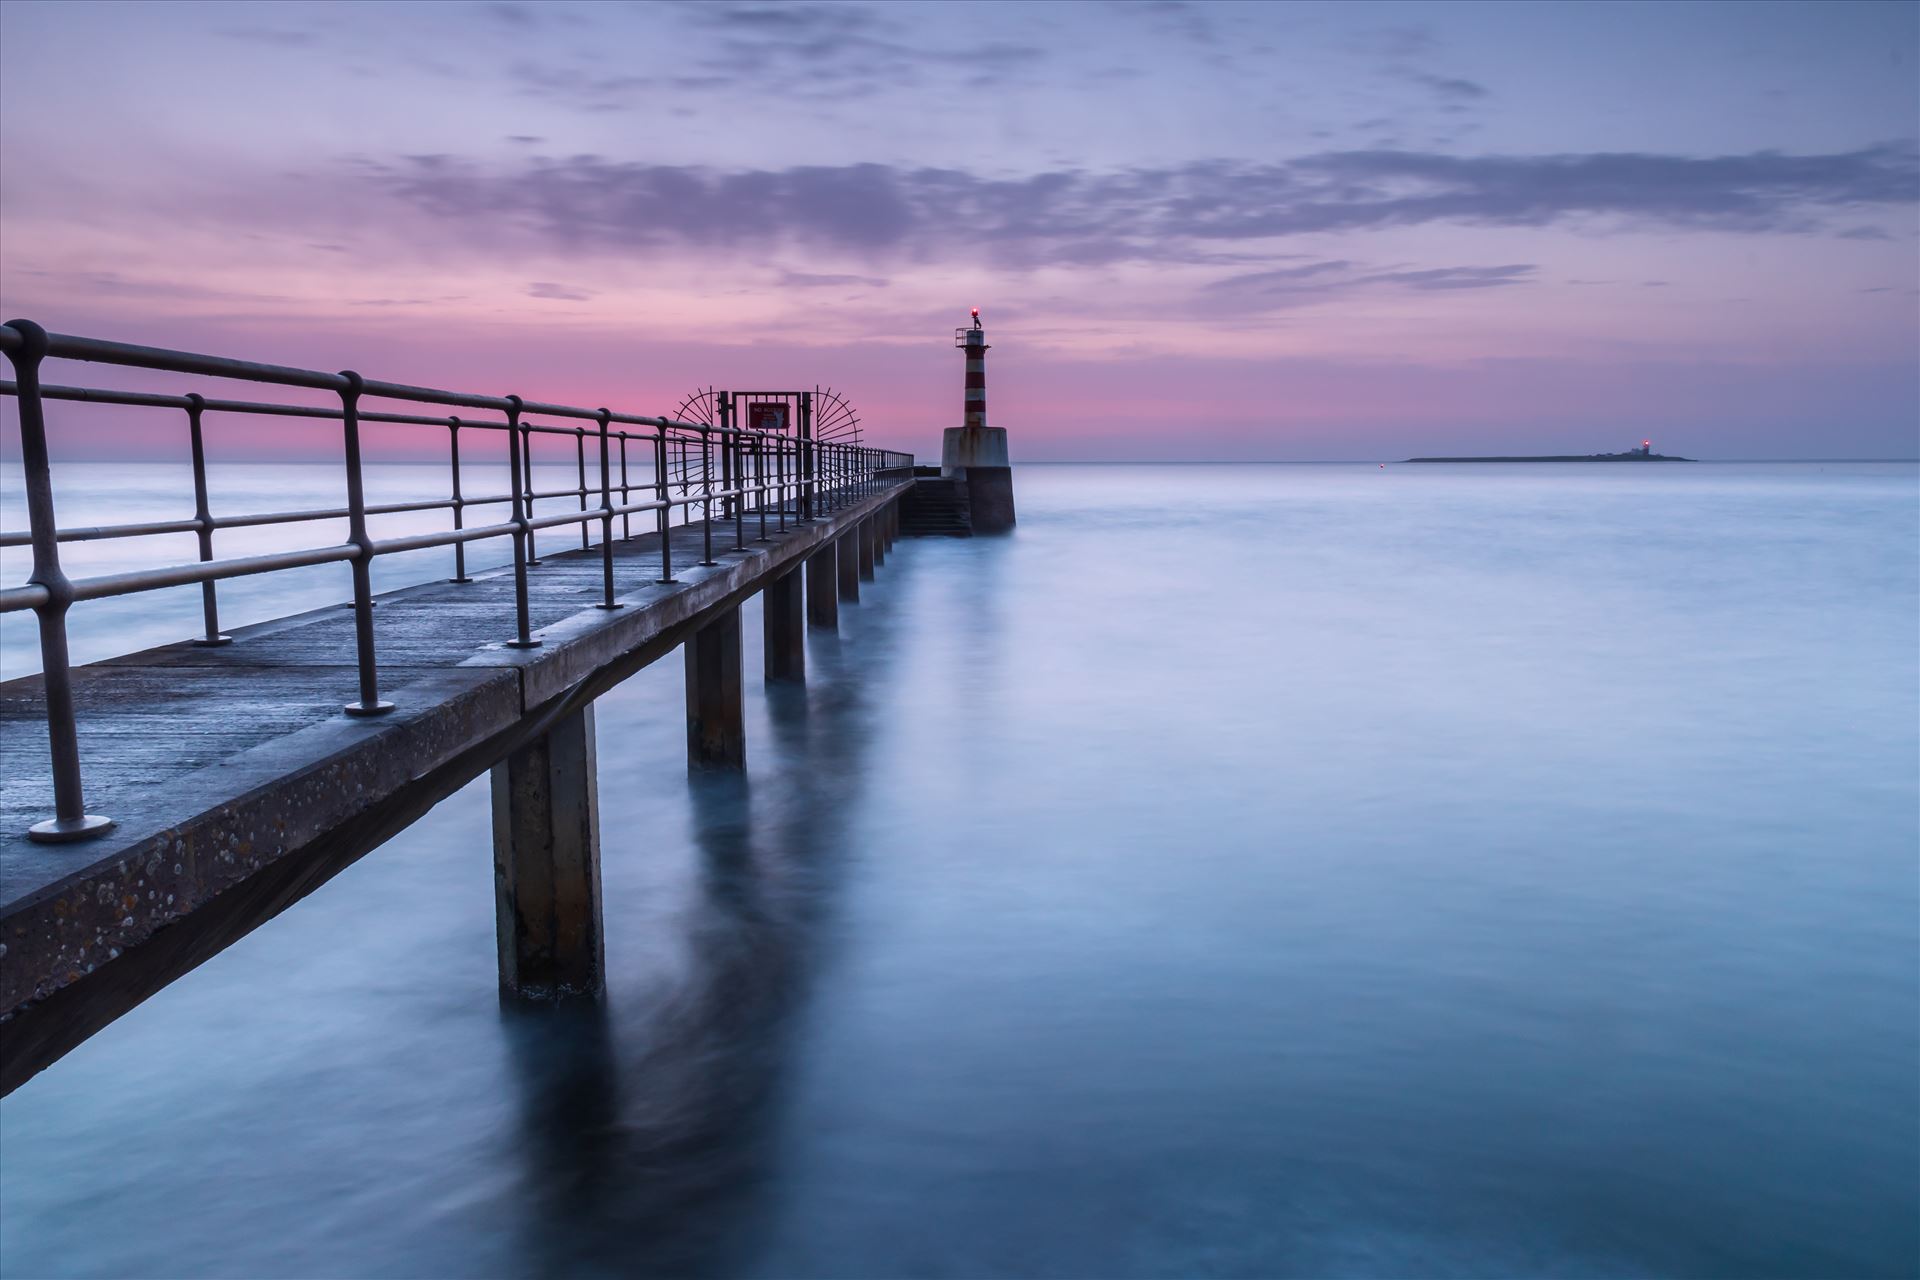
{"x": 1241, "y": 871}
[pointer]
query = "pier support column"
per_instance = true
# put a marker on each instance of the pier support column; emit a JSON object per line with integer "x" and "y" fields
{"x": 866, "y": 548}
{"x": 879, "y": 523}
{"x": 546, "y": 864}
{"x": 848, "y": 556}
{"x": 716, "y": 723}
{"x": 784, "y": 627}
{"x": 823, "y": 592}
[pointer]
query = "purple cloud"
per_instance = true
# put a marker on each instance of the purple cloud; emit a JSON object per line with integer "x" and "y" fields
{"x": 593, "y": 204}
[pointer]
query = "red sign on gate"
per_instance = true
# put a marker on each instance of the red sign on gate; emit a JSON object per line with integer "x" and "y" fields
{"x": 767, "y": 416}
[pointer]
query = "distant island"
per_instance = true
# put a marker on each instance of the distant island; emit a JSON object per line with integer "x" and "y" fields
{"x": 1644, "y": 453}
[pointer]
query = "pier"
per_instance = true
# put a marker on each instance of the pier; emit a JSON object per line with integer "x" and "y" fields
{"x": 159, "y": 806}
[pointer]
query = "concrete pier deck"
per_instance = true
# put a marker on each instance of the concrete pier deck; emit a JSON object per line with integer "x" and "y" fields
{"x": 239, "y": 786}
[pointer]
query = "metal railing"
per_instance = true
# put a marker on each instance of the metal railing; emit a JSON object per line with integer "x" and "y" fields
{"x": 749, "y": 474}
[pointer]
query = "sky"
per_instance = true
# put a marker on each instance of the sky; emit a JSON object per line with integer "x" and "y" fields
{"x": 1238, "y": 231}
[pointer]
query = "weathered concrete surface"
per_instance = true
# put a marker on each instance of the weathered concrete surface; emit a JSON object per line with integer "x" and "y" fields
{"x": 847, "y": 553}
{"x": 716, "y": 707}
{"x": 990, "y": 499}
{"x": 783, "y": 627}
{"x": 546, "y": 863}
{"x": 823, "y": 589}
{"x": 239, "y": 787}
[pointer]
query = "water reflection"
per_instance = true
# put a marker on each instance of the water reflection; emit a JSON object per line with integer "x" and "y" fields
{"x": 1240, "y": 871}
{"x": 648, "y": 1130}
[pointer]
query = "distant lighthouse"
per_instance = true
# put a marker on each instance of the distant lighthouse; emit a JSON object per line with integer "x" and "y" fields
{"x": 974, "y": 453}
{"x": 974, "y": 341}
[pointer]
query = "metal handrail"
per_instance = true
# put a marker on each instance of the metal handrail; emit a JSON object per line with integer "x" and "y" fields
{"x": 740, "y": 469}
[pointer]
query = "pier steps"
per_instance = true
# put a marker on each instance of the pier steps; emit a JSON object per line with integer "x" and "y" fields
{"x": 936, "y": 507}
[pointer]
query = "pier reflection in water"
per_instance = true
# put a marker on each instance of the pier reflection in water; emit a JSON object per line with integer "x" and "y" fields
{"x": 652, "y": 1151}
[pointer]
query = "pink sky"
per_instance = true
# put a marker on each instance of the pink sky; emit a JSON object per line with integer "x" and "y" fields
{"x": 1195, "y": 231}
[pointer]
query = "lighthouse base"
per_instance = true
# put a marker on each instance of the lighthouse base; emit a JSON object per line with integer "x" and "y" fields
{"x": 977, "y": 457}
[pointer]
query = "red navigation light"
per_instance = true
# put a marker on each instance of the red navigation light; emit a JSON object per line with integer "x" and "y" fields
{"x": 976, "y": 313}
{"x": 1646, "y": 444}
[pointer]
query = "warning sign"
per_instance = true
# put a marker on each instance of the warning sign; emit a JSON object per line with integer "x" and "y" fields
{"x": 767, "y": 416}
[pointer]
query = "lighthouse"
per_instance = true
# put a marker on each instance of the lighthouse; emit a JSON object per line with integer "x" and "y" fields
{"x": 975, "y": 454}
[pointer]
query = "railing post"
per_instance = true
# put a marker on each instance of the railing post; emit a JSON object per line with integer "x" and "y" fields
{"x": 760, "y": 483}
{"x": 706, "y": 504}
{"x": 580, "y": 459}
{"x": 805, "y": 458}
{"x": 203, "y": 520}
{"x": 526, "y": 471}
{"x": 71, "y": 821}
{"x": 735, "y": 448}
{"x": 606, "y": 518}
{"x": 522, "y": 536}
{"x": 626, "y": 492}
{"x": 459, "y": 503}
{"x": 370, "y": 703}
{"x": 780, "y": 482}
{"x": 660, "y": 493}
{"x": 730, "y": 505}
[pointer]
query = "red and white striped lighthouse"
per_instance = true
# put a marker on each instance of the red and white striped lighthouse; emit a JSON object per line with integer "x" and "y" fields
{"x": 974, "y": 341}
{"x": 974, "y": 453}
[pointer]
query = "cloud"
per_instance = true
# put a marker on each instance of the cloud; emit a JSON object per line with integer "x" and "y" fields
{"x": 813, "y": 280}
{"x": 590, "y": 204}
{"x": 1408, "y": 41}
{"x": 1459, "y": 277}
{"x": 1449, "y": 87}
{"x": 113, "y": 284}
{"x": 280, "y": 36}
{"x": 1863, "y": 233}
{"x": 832, "y": 52}
{"x": 1297, "y": 286}
{"x": 558, "y": 292}
{"x": 1175, "y": 17}
{"x": 518, "y": 16}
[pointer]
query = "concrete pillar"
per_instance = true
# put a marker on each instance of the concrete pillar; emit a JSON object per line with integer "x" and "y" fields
{"x": 546, "y": 864}
{"x": 866, "y": 548}
{"x": 823, "y": 592}
{"x": 716, "y": 724}
{"x": 784, "y": 627}
{"x": 879, "y": 523}
{"x": 848, "y": 555}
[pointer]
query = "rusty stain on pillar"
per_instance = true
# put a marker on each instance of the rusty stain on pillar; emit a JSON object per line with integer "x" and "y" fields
{"x": 546, "y": 864}
{"x": 784, "y": 627}
{"x": 716, "y": 727}
{"x": 823, "y": 591}
{"x": 848, "y": 555}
